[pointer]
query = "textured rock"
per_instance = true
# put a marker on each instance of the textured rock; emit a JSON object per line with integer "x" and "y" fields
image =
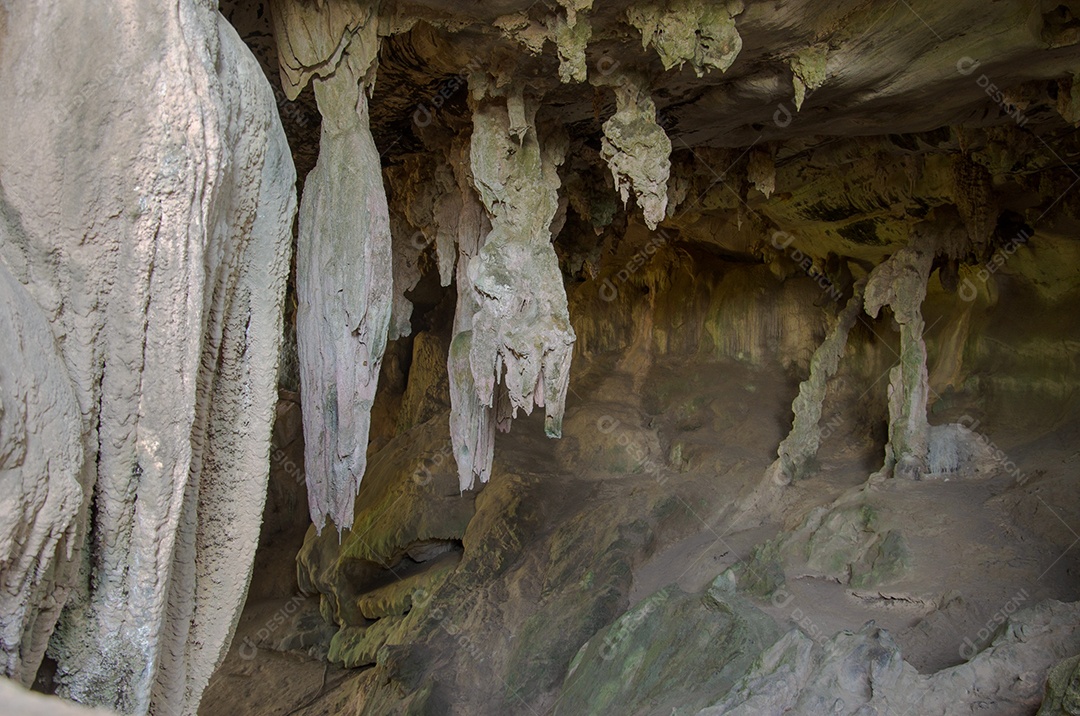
{"x": 519, "y": 339}
{"x": 672, "y": 653}
{"x": 864, "y": 672}
{"x": 427, "y": 393}
{"x": 40, "y": 465}
{"x": 853, "y": 541}
{"x": 154, "y": 238}
{"x": 701, "y": 33}
{"x": 801, "y": 445}
{"x": 344, "y": 264}
{"x": 408, "y": 505}
{"x": 1062, "y": 690}
{"x": 808, "y": 71}
{"x": 571, "y": 36}
{"x": 635, "y": 147}
{"x": 472, "y": 423}
{"x": 19, "y": 702}
{"x": 900, "y": 283}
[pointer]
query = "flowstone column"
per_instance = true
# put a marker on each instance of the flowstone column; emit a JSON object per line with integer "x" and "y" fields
{"x": 900, "y": 283}
{"x": 802, "y": 443}
{"x": 144, "y": 254}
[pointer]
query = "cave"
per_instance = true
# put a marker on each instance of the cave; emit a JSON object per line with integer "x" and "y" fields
{"x": 561, "y": 357}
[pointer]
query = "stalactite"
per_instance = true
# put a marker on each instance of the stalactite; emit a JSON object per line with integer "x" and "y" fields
{"x": 761, "y": 171}
{"x": 344, "y": 261}
{"x": 518, "y": 340}
{"x": 472, "y": 424}
{"x": 701, "y": 33}
{"x": 408, "y": 246}
{"x": 571, "y": 36}
{"x": 808, "y": 71}
{"x": 801, "y": 444}
{"x": 636, "y": 148}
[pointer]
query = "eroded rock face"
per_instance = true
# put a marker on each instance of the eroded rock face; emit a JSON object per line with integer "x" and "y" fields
{"x": 668, "y": 653}
{"x": 854, "y": 672}
{"x": 40, "y": 459}
{"x": 145, "y": 254}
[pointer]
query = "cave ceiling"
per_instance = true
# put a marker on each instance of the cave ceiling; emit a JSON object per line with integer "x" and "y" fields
{"x": 903, "y": 109}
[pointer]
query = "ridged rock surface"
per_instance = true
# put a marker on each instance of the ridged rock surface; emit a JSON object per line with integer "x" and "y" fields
{"x": 148, "y": 194}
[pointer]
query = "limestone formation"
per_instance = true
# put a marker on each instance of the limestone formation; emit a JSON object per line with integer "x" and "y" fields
{"x": 900, "y": 283}
{"x": 1062, "y": 690}
{"x": 520, "y": 338}
{"x": 344, "y": 261}
{"x": 472, "y": 423}
{"x": 761, "y": 171}
{"x": 571, "y": 36}
{"x": 40, "y": 464}
{"x": 27, "y": 703}
{"x": 668, "y": 654}
{"x": 799, "y": 676}
{"x": 701, "y": 33}
{"x": 802, "y": 443}
{"x": 808, "y": 72}
{"x": 635, "y": 147}
{"x": 526, "y": 186}
{"x": 153, "y": 239}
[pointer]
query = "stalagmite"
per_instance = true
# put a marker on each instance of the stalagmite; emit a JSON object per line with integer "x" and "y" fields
{"x": 151, "y": 253}
{"x": 344, "y": 264}
{"x": 636, "y": 148}
{"x": 801, "y": 444}
{"x": 900, "y": 283}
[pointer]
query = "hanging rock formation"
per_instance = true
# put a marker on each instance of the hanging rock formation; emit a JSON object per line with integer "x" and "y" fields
{"x": 521, "y": 338}
{"x": 472, "y": 422}
{"x": 344, "y": 266}
{"x": 635, "y": 147}
{"x": 144, "y": 255}
{"x": 40, "y": 459}
{"x": 701, "y": 33}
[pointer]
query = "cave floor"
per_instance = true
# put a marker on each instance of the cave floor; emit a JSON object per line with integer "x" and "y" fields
{"x": 976, "y": 548}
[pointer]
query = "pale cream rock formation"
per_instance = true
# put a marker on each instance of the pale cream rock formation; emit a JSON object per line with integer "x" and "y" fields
{"x": 695, "y": 31}
{"x": 519, "y": 339}
{"x": 635, "y": 147}
{"x": 146, "y": 175}
{"x": 344, "y": 258}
